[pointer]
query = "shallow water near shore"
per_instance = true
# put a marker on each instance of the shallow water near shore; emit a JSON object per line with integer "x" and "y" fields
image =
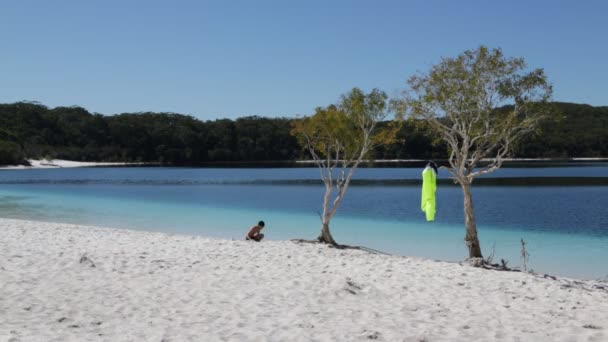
{"x": 564, "y": 226}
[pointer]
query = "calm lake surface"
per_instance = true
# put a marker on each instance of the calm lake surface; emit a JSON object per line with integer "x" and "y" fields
{"x": 565, "y": 227}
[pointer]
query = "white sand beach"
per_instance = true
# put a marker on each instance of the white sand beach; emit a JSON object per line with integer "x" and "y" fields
{"x": 60, "y": 163}
{"x": 143, "y": 286}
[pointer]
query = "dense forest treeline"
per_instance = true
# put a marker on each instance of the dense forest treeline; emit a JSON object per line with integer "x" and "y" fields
{"x": 32, "y": 130}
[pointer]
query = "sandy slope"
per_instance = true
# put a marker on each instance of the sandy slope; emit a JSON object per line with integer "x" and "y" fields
{"x": 159, "y": 287}
{"x": 59, "y": 163}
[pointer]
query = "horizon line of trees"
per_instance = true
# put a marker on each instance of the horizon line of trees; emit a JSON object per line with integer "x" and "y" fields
{"x": 32, "y": 130}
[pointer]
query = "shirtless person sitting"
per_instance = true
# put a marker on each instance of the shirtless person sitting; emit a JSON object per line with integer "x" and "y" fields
{"x": 254, "y": 232}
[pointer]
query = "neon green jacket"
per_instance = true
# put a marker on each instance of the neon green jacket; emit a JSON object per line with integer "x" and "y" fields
{"x": 429, "y": 185}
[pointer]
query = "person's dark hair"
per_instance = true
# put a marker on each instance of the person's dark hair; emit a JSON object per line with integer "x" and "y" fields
{"x": 261, "y": 223}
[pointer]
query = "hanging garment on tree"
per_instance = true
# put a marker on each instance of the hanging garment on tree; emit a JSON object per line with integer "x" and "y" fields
{"x": 429, "y": 185}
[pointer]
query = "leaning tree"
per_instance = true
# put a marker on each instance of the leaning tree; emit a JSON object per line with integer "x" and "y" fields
{"x": 338, "y": 138}
{"x": 479, "y": 103}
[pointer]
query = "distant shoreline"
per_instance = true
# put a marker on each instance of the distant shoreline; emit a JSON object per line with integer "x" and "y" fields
{"x": 60, "y": 163}
{"x": 508, "y": 160}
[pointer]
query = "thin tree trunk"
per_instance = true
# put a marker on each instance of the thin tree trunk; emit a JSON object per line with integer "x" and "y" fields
{"x": 325, "y": 236}
{"x": 471, "y": 239}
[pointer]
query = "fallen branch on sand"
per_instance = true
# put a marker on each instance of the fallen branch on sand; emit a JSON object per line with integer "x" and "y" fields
{"x": 338, "y": 246}
{"x": 488, "y": 265}
{"x": 565, "y": 283}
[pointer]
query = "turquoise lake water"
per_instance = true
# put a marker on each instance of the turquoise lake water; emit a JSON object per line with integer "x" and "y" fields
{"x": 565, "y": 227}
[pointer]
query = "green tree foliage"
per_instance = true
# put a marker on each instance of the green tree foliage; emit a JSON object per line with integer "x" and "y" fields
{"x": 338, "y": 138}
{"x": 10, "y": 153}
{"x": 413, "y": 140}
{"x": 581, "y": 131}
{"x": 75, "y": 134}
{"x": 264, "y": 139}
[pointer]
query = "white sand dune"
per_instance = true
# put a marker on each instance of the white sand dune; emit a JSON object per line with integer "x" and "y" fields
{"x": 159, "y": 287}
{"x": 60, "y": 163}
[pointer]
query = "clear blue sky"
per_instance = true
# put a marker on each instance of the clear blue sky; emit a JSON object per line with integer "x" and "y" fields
{"x": 216, "y": 59}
